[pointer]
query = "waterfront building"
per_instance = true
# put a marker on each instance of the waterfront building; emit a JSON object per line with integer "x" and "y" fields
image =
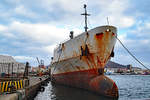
{"x": 8, "y": 65}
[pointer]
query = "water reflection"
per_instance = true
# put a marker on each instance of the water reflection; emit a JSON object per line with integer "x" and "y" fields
{"x": 61, "y": 92}
{"x": 131, "y": 87}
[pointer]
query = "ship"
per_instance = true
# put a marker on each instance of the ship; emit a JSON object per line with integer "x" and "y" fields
{"x": 80, "y": 61}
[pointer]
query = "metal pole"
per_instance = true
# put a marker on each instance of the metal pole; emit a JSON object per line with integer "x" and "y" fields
{"x": 2, "y": 67}
{"x": 17, "y": 70}
{"x": 12, "y": 69}
{"x": 85, "y": 19}
{"x": 8, "y": 68}
{"x": 85, "y": 14}
{"x": 26, "y": 70}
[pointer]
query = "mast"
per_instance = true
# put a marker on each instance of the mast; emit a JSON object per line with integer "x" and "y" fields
{"x": 85, "y": 14}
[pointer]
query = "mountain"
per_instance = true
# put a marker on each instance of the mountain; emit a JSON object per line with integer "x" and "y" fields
{"x": 112, "y": 64}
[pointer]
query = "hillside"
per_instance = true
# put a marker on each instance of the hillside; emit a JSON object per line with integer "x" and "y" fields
{"x": 114, "y": 65}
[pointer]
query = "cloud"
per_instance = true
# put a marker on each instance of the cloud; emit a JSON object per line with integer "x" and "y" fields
{"x": 50, "y": 48}
{"x": 2, "y": 28}
{"x": 139, "y": 47}
{"x": 12, "y": 1}
{"x": 67, "y": 13}
{"x": 33, "y": 28}
{"x": 41, "y": 33}
{"x": 21, "y": 10}
{"x": 115, "y": 11}
{"x": 22, "y": 58}
{"x": 32, "y": 39}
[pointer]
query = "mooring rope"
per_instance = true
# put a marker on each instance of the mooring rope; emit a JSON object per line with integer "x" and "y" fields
{"x": 131, "y": 53}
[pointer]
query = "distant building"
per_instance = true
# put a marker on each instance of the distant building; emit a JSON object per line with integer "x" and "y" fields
{"x": 129, "y": 67}
{"x": 137, "y": 70}
{"x": 35, "y": 69}
{"x": 118, "y": 68}
{"x": 6, "y": 59}
{"x": 115, "y": 67}
{"x": 8, "y": 65}
{"x": 39, "y": 69}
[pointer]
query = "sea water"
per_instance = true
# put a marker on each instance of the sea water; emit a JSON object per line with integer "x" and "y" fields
{"x": 131, "y": 87}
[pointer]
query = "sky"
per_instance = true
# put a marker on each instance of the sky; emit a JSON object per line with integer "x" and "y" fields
{"x": 33, "y": 28}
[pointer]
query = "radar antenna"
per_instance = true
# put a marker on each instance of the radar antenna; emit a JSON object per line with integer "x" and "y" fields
{"x": 85, "y": 14}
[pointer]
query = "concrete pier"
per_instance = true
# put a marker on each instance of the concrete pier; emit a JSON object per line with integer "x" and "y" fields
{"x": 28, "y": 92}
{"x": 34, "y": 86}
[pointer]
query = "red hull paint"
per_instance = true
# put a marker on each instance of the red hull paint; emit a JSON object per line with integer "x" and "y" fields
{"x": 88, "y": 79}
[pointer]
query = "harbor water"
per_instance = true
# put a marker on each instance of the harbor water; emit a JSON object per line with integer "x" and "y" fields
{"x": 131, "y": 87}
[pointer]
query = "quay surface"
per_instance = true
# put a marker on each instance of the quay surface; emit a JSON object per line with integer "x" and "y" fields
{"x": 29, "y": 92}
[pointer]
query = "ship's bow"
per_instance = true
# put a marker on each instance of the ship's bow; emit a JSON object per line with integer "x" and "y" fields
{"x": 104, "y": 85}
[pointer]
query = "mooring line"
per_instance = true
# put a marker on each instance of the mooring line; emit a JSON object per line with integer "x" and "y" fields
{"x": 132, "y": 54}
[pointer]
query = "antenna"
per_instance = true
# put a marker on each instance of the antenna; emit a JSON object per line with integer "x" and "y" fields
{"x": 107, "y": 21}
{"x": 85, "y": 14}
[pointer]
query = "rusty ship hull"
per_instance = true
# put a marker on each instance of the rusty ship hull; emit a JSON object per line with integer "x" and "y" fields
{"x": 79, "y": 62}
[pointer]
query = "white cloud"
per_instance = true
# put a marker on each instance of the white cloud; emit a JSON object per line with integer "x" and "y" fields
{"x": 69, "y": 6}
{"x": 13, "y": 1}
{"x": 21, "y": 10}
{"x": 145, "y": 42}
{"x": 140, "y": 48}
{"x": 40, "y": 37}
{"x": 142, "y": 30}
{"x": 147, "y": 25}
{"x": 42, "y": 33}
{"x": 23, "y": 58}
{"x": 50, "y": 48}
{"x": 115, "y": 11}
{"x": 122, "y": 21}
{"x": 9, "y": 35}
{"x": 2, "y": 28}
{"x": 113, "y": 6}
